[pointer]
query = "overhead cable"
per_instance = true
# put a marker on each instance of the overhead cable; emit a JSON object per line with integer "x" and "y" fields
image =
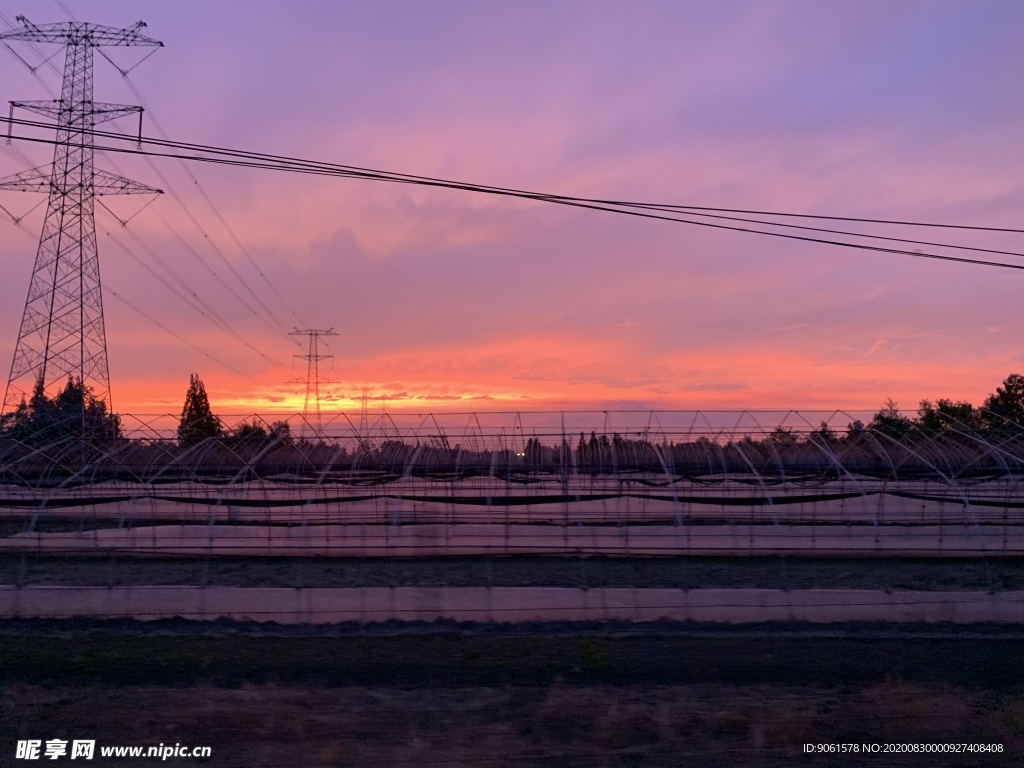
{"x": 224, "y": 156}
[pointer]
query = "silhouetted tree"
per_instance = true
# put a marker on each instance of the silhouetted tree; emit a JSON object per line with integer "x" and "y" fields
{"x": 1007, "y": 402}
{"x": 534, "y": 453}
{"x": 782, "y": 437}
{"x": 825, "y": 434}
{"x": 197, "y": 420}
{"x": 281, "y": 430}
{"x": 249, "y": 432}
{"x": 72, "y": 412}
{"x": 890, "y": 422}
{"x": 946, "y": 415}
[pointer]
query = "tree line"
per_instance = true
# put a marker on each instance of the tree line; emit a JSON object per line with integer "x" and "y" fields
{"x": 75, "y": 412}
{"x": 1002, "y": 412}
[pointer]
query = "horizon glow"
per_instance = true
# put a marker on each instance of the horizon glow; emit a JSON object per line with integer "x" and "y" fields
{"x": 448, "y": 300}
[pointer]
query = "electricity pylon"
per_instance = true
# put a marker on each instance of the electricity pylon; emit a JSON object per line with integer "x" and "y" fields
{"x": 312, "y": 379}
{"x": 62, "y": 332}
{"x": 364, "y": 413}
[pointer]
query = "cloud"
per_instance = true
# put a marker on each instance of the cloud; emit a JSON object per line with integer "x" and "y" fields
{"x": 711, "y": 387}
{"x": 879, "y": 346}
{"x": 446, "y": 294}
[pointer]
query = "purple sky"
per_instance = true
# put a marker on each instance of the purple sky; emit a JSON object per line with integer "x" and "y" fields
{"x": 907, "y": 110}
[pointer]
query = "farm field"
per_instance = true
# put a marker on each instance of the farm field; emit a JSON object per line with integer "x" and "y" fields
{"x": 557, "y": 697}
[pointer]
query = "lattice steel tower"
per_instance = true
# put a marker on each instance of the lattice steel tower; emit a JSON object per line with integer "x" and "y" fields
{"x": 313, "y": 380}
{"x": 62, "y": 332}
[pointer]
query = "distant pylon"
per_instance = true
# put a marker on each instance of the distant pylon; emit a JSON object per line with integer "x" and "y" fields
{"x": 313, "y": 380}
{"x": 62, "y": 331}
{"x": 384, "y": 417}
{"x": 364, "y": 413}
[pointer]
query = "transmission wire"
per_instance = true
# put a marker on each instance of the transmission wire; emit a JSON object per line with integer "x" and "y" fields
{"x": 178, "y": 336}
{"x": 16, "y": 154}
{"x": 395, "y": 176}
{"x": 195, "y": 302}
{"x": 124, "y": 74}
{"x": 34, "y": 70}
{"x": 213, "y": 207}
{"x": 245, "y": 159}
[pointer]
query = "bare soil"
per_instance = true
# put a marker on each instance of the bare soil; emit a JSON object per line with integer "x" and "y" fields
{"x": 681, "y": 696}
{"x": 279, "y": 726}
{"x": 527, "y": 571}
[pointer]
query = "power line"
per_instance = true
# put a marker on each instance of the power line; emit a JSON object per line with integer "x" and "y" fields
{"x": 280, "y": 328}
{"x": 62, "y": 332}
{"x": 273, "y": 323}
{"x": 665, "y": 207}
{"x": 396, "y": 176}
{"x": 178, "y": 336}
{"x": 80, "y": 40}
{"x": 190, "y": 297}
{"x": 135, "y": 91}
{"x": 16, "y": 222}
{"x": 642, "y": 210}
{"x": 852, "y": 219}
{"x": 213, "y": 207}
{"x": 832, "y": 231}
{"x": 216, "y": 276}
{"x": 206, "y": 310}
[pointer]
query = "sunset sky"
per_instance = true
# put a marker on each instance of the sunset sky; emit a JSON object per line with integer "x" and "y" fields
{"x": 442, "y": 299}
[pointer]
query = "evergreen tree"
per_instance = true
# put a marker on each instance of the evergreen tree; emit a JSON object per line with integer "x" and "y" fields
{"x": 72, "y": 412}
{"x": 890, "y": 422}
{"x": 197, "y": 420}
{"x": 582, "y": 455}
{"x": 533, "y": 454}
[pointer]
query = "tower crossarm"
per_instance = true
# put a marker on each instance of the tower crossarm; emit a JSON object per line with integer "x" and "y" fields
{"x": 104, "y": 183}
{"x": 111, "y": 184}
{"x": 32, "y": 180}
{"x": 80, "y": 33}
{"x": 98, "y": 111}
{"x": 48, "y": 108}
